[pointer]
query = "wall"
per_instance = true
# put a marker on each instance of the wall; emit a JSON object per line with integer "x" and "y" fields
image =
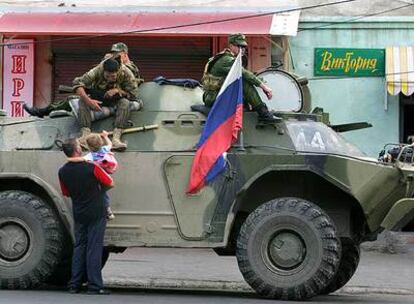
{"x": 43, "y": 73}
{"x": 353, "y": 99}
{"x": 120, "y": 3}
{"x": 1, "y": 73}
{"x": 358, "y": 7}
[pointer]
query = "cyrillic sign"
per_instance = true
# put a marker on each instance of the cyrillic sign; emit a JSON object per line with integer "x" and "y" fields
{"x": 18, "y": 75}
{"x": 285, "y": 24}
{"x": 349, "y": 62}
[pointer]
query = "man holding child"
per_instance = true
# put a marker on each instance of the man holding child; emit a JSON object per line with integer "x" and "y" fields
{"x": 86, "y": 184}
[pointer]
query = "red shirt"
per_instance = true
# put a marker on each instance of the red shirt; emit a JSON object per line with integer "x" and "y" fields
{"x": 85, "y": 183}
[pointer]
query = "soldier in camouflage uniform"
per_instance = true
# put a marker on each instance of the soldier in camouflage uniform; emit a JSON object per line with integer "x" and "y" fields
{"x": 54, "y": 106}
{"x": 107, "y": 84}
{"x": 121, "y": 49}
{"x": 118, "y": 51}
{"x": 217, "y": 69}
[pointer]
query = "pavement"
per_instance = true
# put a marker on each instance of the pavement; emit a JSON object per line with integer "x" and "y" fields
{"x": 379, "y": 271}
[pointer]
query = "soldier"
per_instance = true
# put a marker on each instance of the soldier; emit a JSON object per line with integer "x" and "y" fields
{"x": 107, "y": 84}
{"x": 121, "y": 49}
{"x": 54, "y": 106}
{"x": 217, "y": 69}
{"x": 118, "y": 51}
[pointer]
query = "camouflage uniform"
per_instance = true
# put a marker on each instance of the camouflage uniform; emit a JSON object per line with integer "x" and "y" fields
{"x": 119, "y": 47}
{"x": 96, "y": 85}
{"x": 216, "y": 71}
{"x": 135, "y": 71}
{"x": 54, "y": 106}
{"x": 64, "y": 104}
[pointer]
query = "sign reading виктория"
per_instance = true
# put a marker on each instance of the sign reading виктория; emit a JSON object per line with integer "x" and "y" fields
{"x": 349, "y": 62}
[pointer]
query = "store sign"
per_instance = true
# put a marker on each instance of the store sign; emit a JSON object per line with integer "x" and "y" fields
{"x": 349, "y": 62}
{"x": 18, "y": 75}
{"x": 285, "y": 24}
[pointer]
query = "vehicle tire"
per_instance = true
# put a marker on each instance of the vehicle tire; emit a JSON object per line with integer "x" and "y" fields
{"x": 61, "y": 275}
{"x": 347, "y": 266}
{"x": 288, "y": 249}
{"x": 31, "y": 240}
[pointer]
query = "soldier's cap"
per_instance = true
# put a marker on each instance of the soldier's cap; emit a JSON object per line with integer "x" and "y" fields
{"x": 238, "y": 39}
{"x": 119, "y": 47}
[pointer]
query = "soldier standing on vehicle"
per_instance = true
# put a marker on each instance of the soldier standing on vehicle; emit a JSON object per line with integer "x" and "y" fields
{"x": 85, "y": 183}
{"x": 217, "y": 69}
{"x": 108, "y": 84}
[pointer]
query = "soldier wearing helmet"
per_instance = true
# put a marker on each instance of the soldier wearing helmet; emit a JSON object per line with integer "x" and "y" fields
{"x": 219, "y": 66}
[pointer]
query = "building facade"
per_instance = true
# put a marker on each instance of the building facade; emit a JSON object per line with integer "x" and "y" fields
{"x": 352, "y": 98}
{"x": 69, "y": 41}
{"x": 174, "y": 43}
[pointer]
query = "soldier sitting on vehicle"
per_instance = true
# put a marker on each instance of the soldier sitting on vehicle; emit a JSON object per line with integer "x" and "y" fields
{"x": 119, "y": 51}
{"x": 108, "y": 84}
{"x": 217, "y": 69}
{"x": 45, "y": 111}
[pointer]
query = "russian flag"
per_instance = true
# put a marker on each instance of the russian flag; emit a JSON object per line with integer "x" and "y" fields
{"x": 220, "y": 131}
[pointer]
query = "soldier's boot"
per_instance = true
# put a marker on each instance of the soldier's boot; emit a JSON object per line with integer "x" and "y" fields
{"x": 265, "y": 115}
{"x": 38, "y": 112}
{"x": 117, "y": 144}
{"x": 82, "y": 139}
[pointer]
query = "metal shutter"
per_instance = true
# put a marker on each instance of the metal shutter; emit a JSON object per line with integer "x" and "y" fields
{"x": 172, "y": 57}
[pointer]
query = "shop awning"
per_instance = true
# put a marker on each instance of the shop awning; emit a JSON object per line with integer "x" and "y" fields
{"x": 399, "y": 69}
{"x": 155, "y": 22}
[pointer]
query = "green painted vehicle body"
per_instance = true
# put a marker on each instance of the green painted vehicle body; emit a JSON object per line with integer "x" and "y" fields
{"x": 301, "y": 157}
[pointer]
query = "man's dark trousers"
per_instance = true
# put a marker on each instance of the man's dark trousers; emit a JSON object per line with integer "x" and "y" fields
{"x": 87, "y": 254}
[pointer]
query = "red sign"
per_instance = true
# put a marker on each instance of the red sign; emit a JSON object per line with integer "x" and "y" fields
{"x": 18, "y": 75}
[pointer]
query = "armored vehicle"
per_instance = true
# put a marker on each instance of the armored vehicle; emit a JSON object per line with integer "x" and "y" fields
{"x": 294, "y": 203}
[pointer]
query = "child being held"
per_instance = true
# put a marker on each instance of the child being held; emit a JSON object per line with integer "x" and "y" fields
{"x": 100, "y": 153}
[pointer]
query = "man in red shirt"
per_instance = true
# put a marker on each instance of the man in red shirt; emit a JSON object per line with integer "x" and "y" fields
{"x": 85, "y": 183}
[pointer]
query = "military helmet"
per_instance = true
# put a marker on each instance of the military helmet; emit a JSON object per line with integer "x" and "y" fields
{"x": 119, "y": 47}
{"x": 238, "y": 39}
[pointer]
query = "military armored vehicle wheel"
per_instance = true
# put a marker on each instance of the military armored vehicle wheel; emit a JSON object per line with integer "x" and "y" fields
{"x": 347, "y": 266}
{"x": 288, "y": 249}
{"x": 30, "y": 240}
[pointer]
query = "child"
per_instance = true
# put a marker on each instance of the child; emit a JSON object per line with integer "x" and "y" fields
{"x": 100, "y": 152}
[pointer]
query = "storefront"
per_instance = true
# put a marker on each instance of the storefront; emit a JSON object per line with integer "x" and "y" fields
{"x": 400, "y": 82}
{"x": 362, "y": 95}
{"x": 172, "y": 43}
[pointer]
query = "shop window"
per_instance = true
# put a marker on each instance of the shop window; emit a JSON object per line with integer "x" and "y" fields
{"x": 171, "y": 57}
{"x": 280, "y": 52}
{"x": 406, "y": 115}
{"x": 263, "y": 51}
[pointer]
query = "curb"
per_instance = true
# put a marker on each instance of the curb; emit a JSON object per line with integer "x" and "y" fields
{"x": 180, "y": 284}
{"x": 231, "y": 286}
{"x": 375, "y": 290}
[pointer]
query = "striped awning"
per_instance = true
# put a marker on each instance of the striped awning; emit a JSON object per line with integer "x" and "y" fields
{"x": 399, "y": 69}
